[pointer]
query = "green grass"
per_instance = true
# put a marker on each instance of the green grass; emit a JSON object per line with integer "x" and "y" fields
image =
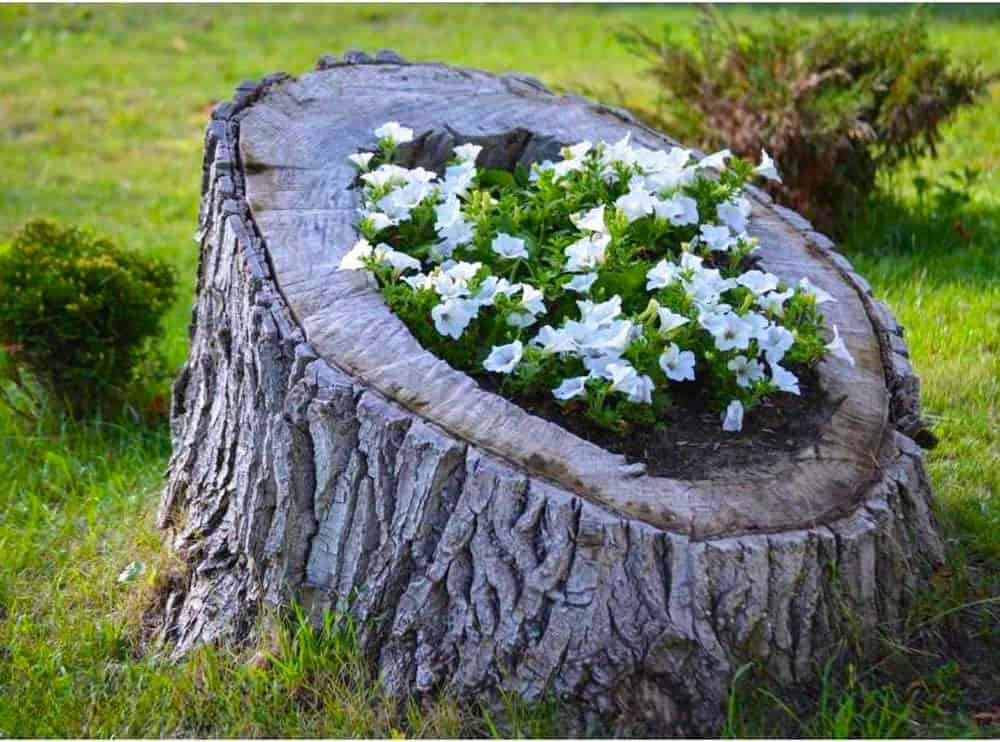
{"x": 102, "y": 111}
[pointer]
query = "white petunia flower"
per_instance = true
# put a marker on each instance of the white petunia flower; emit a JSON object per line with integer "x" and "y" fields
{"x": 758, "y": 282}
{"x": 821, "y": 296}
{"x": 452, "y": 316}
{"x": 607, "y": 340}
{"x": 599, "y": 334}
{"x": 463, "y": 271}
{"x": 597, "y": 365}
{"x": 774, "y": 301}
{"x": 453, "y": 282}
{"x": 734, "y": 213}
{"x": 784, "y": 379}
{"x": 731, "y": 332}
{"x": 637, "y": 203}
{"x": 837, "y": 348}
{"x": 625, "y": 379}
{"x": 732, "y": 418}
{"x": 717, "y": 238}
{"x": 453, "y": 236}
{"x": 400, "y": 261}
{"x": 596, "y": 315}
{"x": 354, "y": 259}
{"x": 491, "y": 286}
{"x": 712, "y": 315}
{"x": 550, "y": 340}
{"x": 767, "y": 167}
{"x": 418, "y": 282}
{"x": 650, "y": 160}
{"x": 458, "y": 179}
{"x": 459, "y": 232}
{"x": 705, "y": 286}
{"x": 468, "y": 152}
{"x": 662, "y": 274}
{"x": 379, "y": 221}
{"x": 747, "y": 370}
{"x": 532, "y": 299}
{"x": 757, "y": 323}
{"x": 420, "y": 174}
{"x": 442, "y": 251}
{"x": 642, "y": 390}
{"x": 581, "y": 283}
{"x": 394, "y": 132}
{"x": 665, "y": 171}
{"x": 578, "y": 150}
{"x": 531, "y": 305}
{"x": 398, "y": 203}
{"x": 565, "y": 167}
{"x": 587, "y": 253}
{"x": 703, "y": 293}
{"x": 386, "y": 175}
{"x": 394, "y": 176}
{"x": 679, "y": 210}
{"x": 774, "y": 342}
{"x": 620, "y": 152}
{"x": 361, "y": 160}
{"x": 509, "y": 247}
{"x": 447, "y": 212}
{"x": 659, "y": 161}
{"x": 670, "y": 320}
{"x": 677, "y": 364}
{"x": 590, "y": 221}
{"x": 575, "y": 386}
{"x": 716, "y": 161}
{"x": 520, "y": 319}
{"x": 503, "y": 358}
{"x": 691, "y": 262}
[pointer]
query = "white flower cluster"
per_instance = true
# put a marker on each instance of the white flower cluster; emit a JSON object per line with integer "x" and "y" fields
{"x": 739, "y": 315}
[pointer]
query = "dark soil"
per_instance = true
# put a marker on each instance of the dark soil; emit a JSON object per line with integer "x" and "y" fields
{"x": 692, "y": 444}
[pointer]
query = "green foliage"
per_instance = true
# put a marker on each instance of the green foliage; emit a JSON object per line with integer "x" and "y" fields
{"x": 849, "y": 703}
{"x": 834, "y": 102}
{"x": 78, "y": 312}
{"x": 308, "y": 654}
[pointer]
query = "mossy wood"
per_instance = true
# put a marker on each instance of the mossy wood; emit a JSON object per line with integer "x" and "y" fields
{"x": 322, "y": 455}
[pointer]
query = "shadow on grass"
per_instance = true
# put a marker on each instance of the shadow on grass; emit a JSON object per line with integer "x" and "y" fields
{"x": 933, "y": 674}
{"x": 946, "y": 237}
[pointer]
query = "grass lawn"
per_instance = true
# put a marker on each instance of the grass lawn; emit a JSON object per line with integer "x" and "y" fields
{"x": 102, "y": 112}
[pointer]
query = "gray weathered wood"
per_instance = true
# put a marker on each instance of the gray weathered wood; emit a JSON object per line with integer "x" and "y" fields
{"x": 321, "y": 455}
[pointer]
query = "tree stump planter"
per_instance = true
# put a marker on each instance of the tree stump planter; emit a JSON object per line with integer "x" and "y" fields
{"x": 322, "y": 455}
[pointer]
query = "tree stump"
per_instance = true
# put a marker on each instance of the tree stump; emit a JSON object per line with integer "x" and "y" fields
{"x": 322, "y": 455}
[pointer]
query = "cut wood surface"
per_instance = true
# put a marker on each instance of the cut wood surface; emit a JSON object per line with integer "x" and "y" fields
{"x": 322, "y": 455}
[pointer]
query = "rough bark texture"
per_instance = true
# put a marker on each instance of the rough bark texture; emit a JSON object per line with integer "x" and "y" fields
{"x": 471, "y": 569}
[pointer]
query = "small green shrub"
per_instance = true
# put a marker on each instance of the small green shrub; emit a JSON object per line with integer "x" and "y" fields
{"x": 78, "y": 313}
{"x": 833, "y": 103}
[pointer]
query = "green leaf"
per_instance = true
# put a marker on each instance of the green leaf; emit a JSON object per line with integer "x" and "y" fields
{"x": 629, "y": 282}
{"x": 492, "y": 177}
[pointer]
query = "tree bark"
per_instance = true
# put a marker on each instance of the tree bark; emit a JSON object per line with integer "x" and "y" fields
{"x": 321, "y": 455}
